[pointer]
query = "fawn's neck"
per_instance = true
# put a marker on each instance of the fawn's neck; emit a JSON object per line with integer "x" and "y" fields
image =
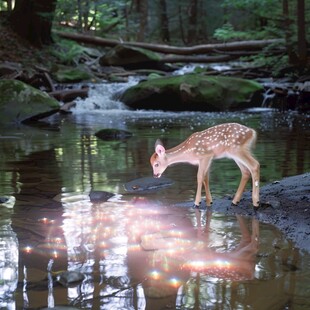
{"x": 182, "y": 154}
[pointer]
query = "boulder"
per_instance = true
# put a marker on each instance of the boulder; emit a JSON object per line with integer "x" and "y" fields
{"x": 130, "y": 58}
{"x": 193, "y": 92}
{"x": 64, "y": 74}
{"x": 20, "y": 102}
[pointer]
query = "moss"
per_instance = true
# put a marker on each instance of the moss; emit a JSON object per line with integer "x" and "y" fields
{"x": 130, "y": 57}
{"x": 196, "y": 92}
{"x": 19, "y": 101}
{"x": 68, "y": 74}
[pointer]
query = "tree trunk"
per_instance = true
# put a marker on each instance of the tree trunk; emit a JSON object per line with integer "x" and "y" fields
{"x": 164, "y": 22}
{"x": 202, "y": 33}
{"x": 80, "y": 20}
{"x": 287, "y": 26}
{"x": 301, "y": 26}
{"x": 32, "y": 20}
{"x": 143, "y": 19}
{"x": 9, "y": 3}
{"x": 192, "y": 22}
{"x": 86, "y": 15}
{"x": 181, "y": 24}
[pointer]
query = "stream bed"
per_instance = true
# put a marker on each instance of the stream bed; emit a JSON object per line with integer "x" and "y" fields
{"x": 138, "y": 250}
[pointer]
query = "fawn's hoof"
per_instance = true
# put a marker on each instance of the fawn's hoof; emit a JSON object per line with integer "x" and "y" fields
{"x": 196, "y": 206}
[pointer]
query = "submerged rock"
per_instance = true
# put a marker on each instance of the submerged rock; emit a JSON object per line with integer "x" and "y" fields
{"x": 7, "y": 201}
{"x": 100, "y": 196}
{"x": 193, "y": 92}
{"x": 113, "y": 134}
{"x": 70, "y": 278}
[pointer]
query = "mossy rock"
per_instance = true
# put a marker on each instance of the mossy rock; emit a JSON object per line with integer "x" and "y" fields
{"x": 70, "y": 75}
{"x": 130, "y": 57}
{"x": 20, "y": 102}
{"x": 192, "y": 92}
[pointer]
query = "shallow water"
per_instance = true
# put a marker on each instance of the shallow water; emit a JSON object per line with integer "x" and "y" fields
{"x": 139, "y": 251}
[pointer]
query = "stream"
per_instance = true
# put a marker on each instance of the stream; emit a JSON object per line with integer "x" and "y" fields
{"x": 140, "y": 250}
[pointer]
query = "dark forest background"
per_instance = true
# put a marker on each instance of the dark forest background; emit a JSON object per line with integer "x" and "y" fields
{"x": 178, "y": 23}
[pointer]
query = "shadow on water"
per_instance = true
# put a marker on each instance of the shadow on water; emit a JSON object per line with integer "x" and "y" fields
{"x": 140, "y": 251}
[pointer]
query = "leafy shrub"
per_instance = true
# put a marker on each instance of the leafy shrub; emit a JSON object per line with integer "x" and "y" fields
{"x": 68, "y": 52}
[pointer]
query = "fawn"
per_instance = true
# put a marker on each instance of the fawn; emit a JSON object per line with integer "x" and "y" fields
{"x": 229, "y": 140}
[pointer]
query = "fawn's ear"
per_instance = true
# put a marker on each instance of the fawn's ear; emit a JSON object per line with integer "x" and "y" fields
{"x": 159, "y": 148}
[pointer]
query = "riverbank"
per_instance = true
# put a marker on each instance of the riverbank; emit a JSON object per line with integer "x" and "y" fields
{"x": 285, "y": 204}
{"x": 288, "y": 208}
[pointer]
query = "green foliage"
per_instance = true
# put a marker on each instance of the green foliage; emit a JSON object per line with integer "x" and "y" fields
{"x": 107, "y": 16}
{"x": 259, "y": 19}
{"x": 97, "y": 16}
{"x": 250, "y": 8}
{"x": 275, "y": 63}
{"x": 224, "y": 20}
{"x": 67, "y": 51}
{"x": 227, "y": 32}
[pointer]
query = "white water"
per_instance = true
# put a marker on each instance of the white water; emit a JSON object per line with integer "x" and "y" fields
{"x": 103, "y": 97}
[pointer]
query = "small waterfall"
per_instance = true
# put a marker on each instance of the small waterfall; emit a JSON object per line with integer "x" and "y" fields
{"x": 268, "y": 96}
{"x": 103, "y": 97}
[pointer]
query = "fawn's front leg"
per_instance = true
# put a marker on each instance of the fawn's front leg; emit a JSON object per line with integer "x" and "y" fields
{"x": 207, "y": 190}
{"x": 203, "y": 178}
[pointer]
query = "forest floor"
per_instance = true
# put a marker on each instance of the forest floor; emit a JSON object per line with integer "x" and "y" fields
{"x": 14, "y": 49}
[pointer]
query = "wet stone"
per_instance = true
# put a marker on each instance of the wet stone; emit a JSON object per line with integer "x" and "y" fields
{"x": 70, "y": 278}
{"x": 3, "y": 199}
{"x": 100, "y": 196}
{"x": 113, "y": 134}
{"x": 60, "y": 308}
{"x": 147, "y": 184}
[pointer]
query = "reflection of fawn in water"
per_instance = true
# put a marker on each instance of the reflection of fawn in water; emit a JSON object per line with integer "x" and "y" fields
{"x": 173, "y": 253}
{"x": 235, "y": 265}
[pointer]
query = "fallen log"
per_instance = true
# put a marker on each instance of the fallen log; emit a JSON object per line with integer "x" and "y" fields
{"x": 69, "y": 95}
{"x": 252, "y": 45}
{"x": 198, "y": 59}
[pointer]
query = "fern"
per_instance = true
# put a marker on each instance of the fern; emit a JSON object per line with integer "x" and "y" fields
{"x": 67, "y": 51}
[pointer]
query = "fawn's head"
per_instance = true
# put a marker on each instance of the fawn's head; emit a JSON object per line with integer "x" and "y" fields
{"x": 159, "y": 160}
